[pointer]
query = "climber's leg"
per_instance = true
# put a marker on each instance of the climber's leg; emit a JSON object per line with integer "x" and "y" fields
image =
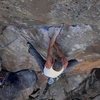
{"x": 37, "y": 56}
{"x": 71, "y": 64}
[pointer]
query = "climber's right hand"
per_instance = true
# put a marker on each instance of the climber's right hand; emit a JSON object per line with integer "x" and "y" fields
{"x": 57, "y": 31}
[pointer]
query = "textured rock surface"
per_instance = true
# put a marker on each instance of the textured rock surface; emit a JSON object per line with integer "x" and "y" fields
{"x": 79, "y": 39}
{"x": 18, "y": 86}
{"x": 50, "y": 11}
{"x": 76, "y": 41}
{"x": 15, "y": 53}
{"x": 89, "y": 89}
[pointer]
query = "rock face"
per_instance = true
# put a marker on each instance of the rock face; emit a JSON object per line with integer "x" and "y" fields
{"x": 14, "y": 50}
{"x": 50, "y": 11}
{"x": 18, "y": 86}
{"x": 76, "y": 41}
{"x": 33, "y": 20}
{"x": 89, "y": 89}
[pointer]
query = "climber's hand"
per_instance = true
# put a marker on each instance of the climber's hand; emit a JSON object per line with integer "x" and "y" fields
{"x": 44, "y": 31}
{"x": 57, "y": 31}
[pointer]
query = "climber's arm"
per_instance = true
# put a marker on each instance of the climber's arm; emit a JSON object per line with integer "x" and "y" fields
{"x": 49, "y": 59}
{"x": 61, "y": 55}
{"x": 48, "y": 63}
{"x": 59, "y": 51}
{"x": 65, "y": 62}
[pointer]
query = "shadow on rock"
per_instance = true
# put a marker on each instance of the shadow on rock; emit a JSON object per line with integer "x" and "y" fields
{"x": 17, "y": 86}
{"x": 89, "y": 89}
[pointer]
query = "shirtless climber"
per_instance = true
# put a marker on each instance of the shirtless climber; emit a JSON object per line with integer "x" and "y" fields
{"x": 52, "y": 68}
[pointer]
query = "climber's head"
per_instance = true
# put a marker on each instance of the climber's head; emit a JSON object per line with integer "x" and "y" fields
{"x": 57, "y": 66}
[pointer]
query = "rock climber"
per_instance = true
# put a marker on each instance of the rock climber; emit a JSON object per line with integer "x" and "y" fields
{"x": 52, "y": 68}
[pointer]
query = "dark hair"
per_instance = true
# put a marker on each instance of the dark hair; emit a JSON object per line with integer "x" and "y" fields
{"x": 57, "y": 66}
